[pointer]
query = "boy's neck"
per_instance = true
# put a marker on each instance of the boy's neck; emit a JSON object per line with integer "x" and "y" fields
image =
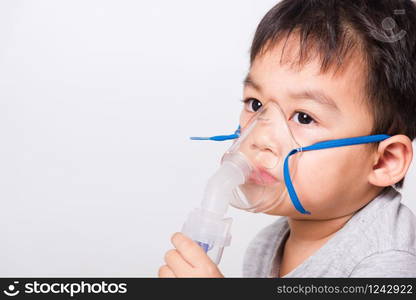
{"x": 307, "y": 236}
{"x": 312, "y": 231}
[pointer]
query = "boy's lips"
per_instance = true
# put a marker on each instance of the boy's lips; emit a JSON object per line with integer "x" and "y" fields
{"x": 263, "y": 177}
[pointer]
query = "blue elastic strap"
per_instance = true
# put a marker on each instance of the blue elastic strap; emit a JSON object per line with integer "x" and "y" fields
{"x": 219, "y": 138}
{"x": 319, "y": 146}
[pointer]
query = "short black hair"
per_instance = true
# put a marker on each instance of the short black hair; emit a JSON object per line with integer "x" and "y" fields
{"x": 383, "y": 31}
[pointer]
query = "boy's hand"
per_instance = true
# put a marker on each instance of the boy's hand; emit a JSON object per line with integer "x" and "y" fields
{"x": 187, "y": 260}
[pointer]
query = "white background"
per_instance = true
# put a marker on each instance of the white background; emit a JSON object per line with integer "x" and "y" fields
{"x": 97, "y": 101}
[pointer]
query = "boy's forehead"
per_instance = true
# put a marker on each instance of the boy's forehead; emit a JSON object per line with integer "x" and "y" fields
{"x": 287, "y": 54}
{"x": 277, "y": 73}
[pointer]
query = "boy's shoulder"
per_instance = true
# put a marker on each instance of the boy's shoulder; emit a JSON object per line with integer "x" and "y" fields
{"x": 381, "y": 233}
{"x": 385, "y": 224}
{"x": 385, "y": 238}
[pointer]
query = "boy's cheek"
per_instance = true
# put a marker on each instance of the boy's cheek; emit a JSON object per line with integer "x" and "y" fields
{"x": 325, "y": 181}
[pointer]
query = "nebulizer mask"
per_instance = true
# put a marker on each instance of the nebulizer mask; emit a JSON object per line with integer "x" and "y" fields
{"x": 256, "y": 173}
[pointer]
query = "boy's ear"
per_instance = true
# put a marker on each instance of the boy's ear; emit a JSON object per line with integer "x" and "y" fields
{"x": 391, "y": 161}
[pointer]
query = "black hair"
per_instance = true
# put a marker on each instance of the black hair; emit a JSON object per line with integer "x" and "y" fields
{"x": 384, "y": 33}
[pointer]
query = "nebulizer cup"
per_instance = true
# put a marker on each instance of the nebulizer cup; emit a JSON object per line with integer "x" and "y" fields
{"x": 250, "y": 178}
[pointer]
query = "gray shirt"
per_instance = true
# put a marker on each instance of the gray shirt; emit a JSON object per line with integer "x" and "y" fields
{"x": 378, "y": 241}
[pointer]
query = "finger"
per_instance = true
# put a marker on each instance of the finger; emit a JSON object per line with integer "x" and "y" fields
{"x": 177, "y": 263}
{"x": 190, "y": 250}
{"x": 166, "y": 272}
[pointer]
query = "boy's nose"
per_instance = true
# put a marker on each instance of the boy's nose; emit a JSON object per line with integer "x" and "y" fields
{"x": 264, "y": 150}
{"x": 269, "y": 137}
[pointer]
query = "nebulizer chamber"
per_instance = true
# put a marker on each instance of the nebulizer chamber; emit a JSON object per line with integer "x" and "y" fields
{"x": 250, "y": 178}
{"x": 206, "y": 225}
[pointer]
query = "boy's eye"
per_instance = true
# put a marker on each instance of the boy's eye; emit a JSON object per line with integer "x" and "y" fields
{"x": 303, "y": 118}
{"x": 252, "y": 104}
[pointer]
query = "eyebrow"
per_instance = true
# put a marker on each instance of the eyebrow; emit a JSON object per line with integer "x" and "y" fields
{"x": 312, "y": 94}
{"x": 315, "y": 95}
{"x": 248, "y": 81}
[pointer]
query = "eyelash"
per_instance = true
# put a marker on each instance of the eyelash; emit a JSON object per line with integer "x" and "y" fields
{"x": 247, "y": 100}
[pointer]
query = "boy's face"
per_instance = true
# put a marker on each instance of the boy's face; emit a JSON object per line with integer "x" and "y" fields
{"x": 332, "y": 182}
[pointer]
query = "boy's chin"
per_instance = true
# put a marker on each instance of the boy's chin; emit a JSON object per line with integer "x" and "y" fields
{"x": 287, "y": 209}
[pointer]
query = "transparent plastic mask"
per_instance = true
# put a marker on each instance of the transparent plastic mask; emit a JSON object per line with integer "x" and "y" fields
{"x": 265, "y": 141}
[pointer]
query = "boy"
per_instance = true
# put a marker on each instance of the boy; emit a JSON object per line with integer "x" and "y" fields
{"x": 338, "y": 69}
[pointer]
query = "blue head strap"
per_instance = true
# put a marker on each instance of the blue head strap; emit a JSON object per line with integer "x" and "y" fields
{"x": 318, "y": 146}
